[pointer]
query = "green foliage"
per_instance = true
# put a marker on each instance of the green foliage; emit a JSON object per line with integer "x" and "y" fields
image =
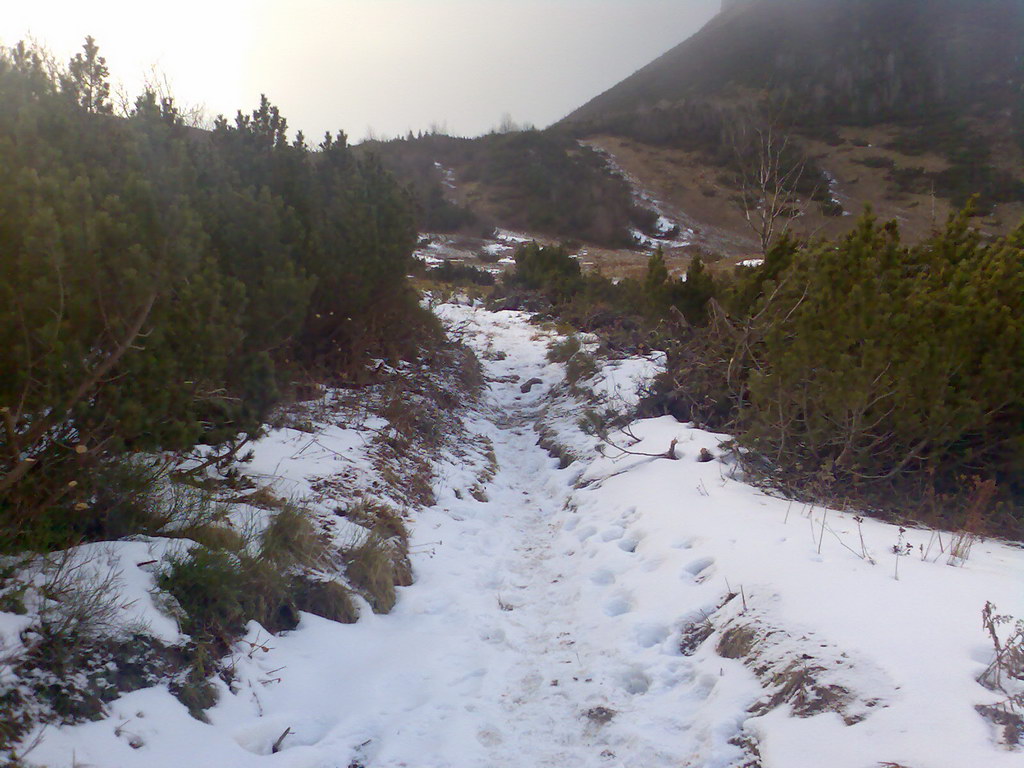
{"x": 86, "y": 80}
{"x": 579, "y": 367}
{"x": 158, "y": 283}
{"x": 880, "y": 360}
{"x": 562, "y": 351}
{"x": 753, "y": 282}
{"x": 212, "y": 590}
{"x": 460, "y": 274}
{"x": 656, "y": 291}
{"x": 538, "y": 181}
{"x": 219, "y": 590}
{"x": 867, "y": 368}
{"x": 549, "y": 269}
{"x": 692, "y": 295}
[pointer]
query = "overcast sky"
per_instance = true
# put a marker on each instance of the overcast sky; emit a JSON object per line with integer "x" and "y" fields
{"x": 389, "y": 65}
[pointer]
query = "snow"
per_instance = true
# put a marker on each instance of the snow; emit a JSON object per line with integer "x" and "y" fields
{"x": 644, "y": 199}
{"x": 515, "y": 238}
{"x": 546, "y": 622}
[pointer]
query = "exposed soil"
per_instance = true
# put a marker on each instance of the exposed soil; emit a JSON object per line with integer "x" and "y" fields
{"x": 701, "y": 195}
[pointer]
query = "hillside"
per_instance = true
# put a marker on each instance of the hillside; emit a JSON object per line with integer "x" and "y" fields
{"x": 912, "y": 107}
{"x": 842, "y": 61}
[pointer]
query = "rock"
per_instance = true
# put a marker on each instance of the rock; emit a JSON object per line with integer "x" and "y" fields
{"x": 529, "y": 385}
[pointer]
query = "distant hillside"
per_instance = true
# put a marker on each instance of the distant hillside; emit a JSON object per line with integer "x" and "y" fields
{"x": 913, "y": 106}
{"x": 541, "y": 182}
{"x": 860, "y": 61}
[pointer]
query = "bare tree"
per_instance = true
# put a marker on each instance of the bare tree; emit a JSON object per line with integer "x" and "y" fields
{"x": 768, "y": 178}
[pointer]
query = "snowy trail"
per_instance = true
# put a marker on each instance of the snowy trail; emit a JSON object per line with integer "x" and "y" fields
{"x": 547, "y": 623}
{"x": 529, "y": 682}
{"x": 547, "y": 682}
{"x": 491, "y": 658}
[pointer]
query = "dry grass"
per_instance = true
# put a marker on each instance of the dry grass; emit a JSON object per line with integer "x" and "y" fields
{"x": 379, "y": 561}
{"x": 327, "y": 599}
{"x": 979, "y": 501}
{"x": 213, "y": 536}
{"x": 699, "y": 194}
{"x": 380, "y": 519}
{"x": 291, "y": 538}
{"x": 370, "y": 569}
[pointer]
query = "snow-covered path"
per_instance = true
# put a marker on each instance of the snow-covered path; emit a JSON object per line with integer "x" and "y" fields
{"x": 498, "y": 656}
{"x": 506, "y": 669}
{"x": 625, "y": 612}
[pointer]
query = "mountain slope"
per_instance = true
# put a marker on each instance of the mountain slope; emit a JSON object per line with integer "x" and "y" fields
{"x": 911, "y": 106}
{"x": 843, "y": 60}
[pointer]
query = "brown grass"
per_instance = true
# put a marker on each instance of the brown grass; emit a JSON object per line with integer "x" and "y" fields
{"x": 371, "y": 571}
{"x": 379, "y": 562}
{"x": 327, "y": 599}
{"x": 292, "y": 539}
{"x": 699, "y": 193}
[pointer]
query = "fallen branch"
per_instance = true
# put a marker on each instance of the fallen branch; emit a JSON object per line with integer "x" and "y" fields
{"x": 669, "y": 454}
{"x": 277, "y": 744}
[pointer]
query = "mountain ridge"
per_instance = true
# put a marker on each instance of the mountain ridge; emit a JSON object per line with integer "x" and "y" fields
{"x": 896, "y": 59}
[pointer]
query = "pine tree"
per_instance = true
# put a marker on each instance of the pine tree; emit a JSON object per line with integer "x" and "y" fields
{"x": 87, "y": 80}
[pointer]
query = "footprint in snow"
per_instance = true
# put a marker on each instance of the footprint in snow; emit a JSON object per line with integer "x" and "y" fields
{"x": 650, "y": 634}
{"x": 602, "y": 577}
{"x": 698, "y": 567}
{"x": 629, "y": 543}
{"x": 613, "y": 533}
{"x": 617, "y": 606}
{"x": 492, "y": 635}
{"x": 490, "y": 737}
{"x": 282, "y": 731}
{"x": 635, "y": 681}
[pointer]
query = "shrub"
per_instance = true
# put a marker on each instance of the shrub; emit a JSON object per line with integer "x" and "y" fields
{"x": 291, "y": 539}
{"x": 220, "y": 591}
{"x": 561, "y": 351}
{"x": 370, "y": 568}
{"x": 548, "y": 269}
{"x": 154, "y": 288}
{"x": 327, "y": 599}
{"x": 879, "y": 362}
{"x": 580, "y": 366}
{"x": 381, "y": 519}
{"x": 379, "y": 561}
{"x": 210, "y": 586}
{"x": 460, "y": 274}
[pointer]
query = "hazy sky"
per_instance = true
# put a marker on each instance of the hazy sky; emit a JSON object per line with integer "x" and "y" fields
{"x": 389, "y": 65}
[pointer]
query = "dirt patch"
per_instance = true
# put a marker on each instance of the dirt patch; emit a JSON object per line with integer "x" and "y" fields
{"x": 803, "y": 672}
{"x": 600, "y": 715}
{"x": 861, "y": 164}
{"x": 1009, "y": 724}
{"x": 549, "y": 443}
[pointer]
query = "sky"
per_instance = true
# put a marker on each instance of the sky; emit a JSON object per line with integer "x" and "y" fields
{"x": 380, "y": 67}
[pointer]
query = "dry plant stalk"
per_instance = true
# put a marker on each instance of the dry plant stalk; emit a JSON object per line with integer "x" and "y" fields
{"x": 977, "y": 504}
